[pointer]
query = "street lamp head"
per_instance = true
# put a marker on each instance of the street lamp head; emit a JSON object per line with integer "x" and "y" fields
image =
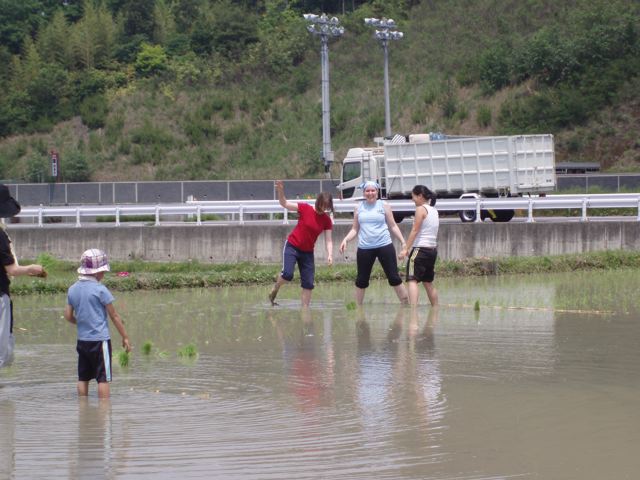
{"x": 323, "y": 26}
{"x": 385, "y": 25}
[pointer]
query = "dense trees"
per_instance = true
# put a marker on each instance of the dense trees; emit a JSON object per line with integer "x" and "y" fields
{"x": 56, "y": 51}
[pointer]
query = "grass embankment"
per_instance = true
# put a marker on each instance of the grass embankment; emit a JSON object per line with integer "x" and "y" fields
{"x": 158, "y": 276}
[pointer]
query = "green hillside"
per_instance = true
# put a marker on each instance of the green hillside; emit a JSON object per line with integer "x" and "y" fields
{"x": 204, "y": 89}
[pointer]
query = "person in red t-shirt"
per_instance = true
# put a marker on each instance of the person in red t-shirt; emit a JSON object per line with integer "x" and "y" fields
{"x": 301, "y": 241}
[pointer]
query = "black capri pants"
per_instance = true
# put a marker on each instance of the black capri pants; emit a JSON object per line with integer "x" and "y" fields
{"x": 366, "y": 258}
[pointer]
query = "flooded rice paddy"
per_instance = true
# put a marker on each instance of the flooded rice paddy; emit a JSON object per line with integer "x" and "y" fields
{"x": 542, "y": 382}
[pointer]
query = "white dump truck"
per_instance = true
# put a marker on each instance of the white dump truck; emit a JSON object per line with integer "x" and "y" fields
{"x": 453, "y": 167}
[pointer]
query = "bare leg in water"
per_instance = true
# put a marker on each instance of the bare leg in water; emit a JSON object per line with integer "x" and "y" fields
{"x": 274, "y": 291}
{"x": 305, "y": 297}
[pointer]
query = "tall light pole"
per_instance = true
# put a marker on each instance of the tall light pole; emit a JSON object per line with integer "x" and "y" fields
{"x": 387, "y": 31}
{"x": 325, "y": 28}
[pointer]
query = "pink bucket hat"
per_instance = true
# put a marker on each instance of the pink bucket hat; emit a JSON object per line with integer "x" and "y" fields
{"x": 93, "y": 261}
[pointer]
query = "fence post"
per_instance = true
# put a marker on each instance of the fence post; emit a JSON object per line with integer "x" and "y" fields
{"x": 40, "y": 224}
{"x": 157, "y": 215}
{"x": 117, "y": 216}
{"x": 78, "y": 218}
{"x": 584, "y": 210}
{"x": 199, "y": 215}
{"x": 241, "y": 215}
{"x": 478, "y": 210}
{"x": 285, "y": 218}
{"x": 530, "y": 216}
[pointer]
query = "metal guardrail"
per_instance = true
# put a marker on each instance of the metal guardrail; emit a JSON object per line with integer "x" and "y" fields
{"x": 243, "y": 210}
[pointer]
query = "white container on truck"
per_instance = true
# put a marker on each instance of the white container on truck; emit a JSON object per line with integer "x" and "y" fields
{"x": 454, "y": 167}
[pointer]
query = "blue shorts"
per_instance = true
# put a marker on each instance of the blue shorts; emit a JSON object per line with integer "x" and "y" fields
{"x": 94, "y": 360}
{"x": 306, "y": 264}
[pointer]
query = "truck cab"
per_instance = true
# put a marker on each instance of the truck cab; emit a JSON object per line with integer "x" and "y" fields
{"x": 360, "y": 165}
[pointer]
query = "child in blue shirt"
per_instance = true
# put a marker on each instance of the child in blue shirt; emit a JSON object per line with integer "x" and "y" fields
{"x": 88, "y": 303}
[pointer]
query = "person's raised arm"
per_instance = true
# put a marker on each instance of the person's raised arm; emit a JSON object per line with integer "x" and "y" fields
{"x": 418, "y": 218}
{"x": 355, "y": 227}
{"x": 392, "y": 225}
{"x": 291, "y": 206}
{"x": 117, "y": 321}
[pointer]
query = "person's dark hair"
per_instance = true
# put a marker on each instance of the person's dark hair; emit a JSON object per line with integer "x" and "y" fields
{"x": 427, "y": 194}
{"x": 324, "y": 202}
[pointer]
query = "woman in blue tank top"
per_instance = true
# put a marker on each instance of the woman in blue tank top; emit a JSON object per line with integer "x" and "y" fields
{"x": 373, "y": 223}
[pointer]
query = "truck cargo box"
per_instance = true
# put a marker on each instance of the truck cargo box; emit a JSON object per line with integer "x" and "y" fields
{"x": 487, "y": 165}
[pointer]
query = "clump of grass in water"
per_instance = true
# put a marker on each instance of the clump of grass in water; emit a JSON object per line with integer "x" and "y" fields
{"x": 351, "y": 306}
{"x": 123, "y": 358}
{"x": 147, "y": 347}
{"x": 188, "y": 351}
{"x": 476, "y": 306}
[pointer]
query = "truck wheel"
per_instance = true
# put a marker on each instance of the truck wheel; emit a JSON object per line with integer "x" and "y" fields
{"x": 503, "y": 215}
{"x": 467, "y": 215}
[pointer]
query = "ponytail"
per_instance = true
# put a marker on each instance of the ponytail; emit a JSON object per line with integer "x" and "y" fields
{"x": 427, "y": 194}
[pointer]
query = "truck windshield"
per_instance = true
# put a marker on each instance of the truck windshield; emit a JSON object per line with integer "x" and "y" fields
{"x": 350, "y": 171}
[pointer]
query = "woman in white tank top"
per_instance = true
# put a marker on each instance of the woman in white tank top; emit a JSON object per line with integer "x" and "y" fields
{"x": 423, "y": 240}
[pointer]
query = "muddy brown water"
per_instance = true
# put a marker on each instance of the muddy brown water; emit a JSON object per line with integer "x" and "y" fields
{"x": 543, "y": 382}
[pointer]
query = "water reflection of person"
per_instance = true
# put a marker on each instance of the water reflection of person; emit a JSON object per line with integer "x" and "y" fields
{"x": 309, "y": 375}
{"x": 401, "y": 378}
{"x": 425, "y": 340}
{"x": 425, "y": 372}
{"x": 93, "y": 454}
{"x": 7, "y": 439}
{"x": 375, "y": 372}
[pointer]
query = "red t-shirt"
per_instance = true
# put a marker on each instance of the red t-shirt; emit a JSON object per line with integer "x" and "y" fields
{"x": 310, "y": 225}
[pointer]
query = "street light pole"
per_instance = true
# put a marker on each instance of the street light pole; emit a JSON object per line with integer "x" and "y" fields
{"x": 387, "y": 32}
{"x": 324, "y": 27}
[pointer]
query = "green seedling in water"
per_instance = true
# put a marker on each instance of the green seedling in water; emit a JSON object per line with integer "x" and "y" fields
{"x": 188, "y": 351}
{"x": 162, "y": 354}
{"x": 476, "y": 306}
{"x": 146, "y": 347}
{"x": 351, "y": 306}
{"x": 123, "y": 358}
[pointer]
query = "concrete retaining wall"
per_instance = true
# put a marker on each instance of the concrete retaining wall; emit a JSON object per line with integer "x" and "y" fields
{"x": 260, "y": 243}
